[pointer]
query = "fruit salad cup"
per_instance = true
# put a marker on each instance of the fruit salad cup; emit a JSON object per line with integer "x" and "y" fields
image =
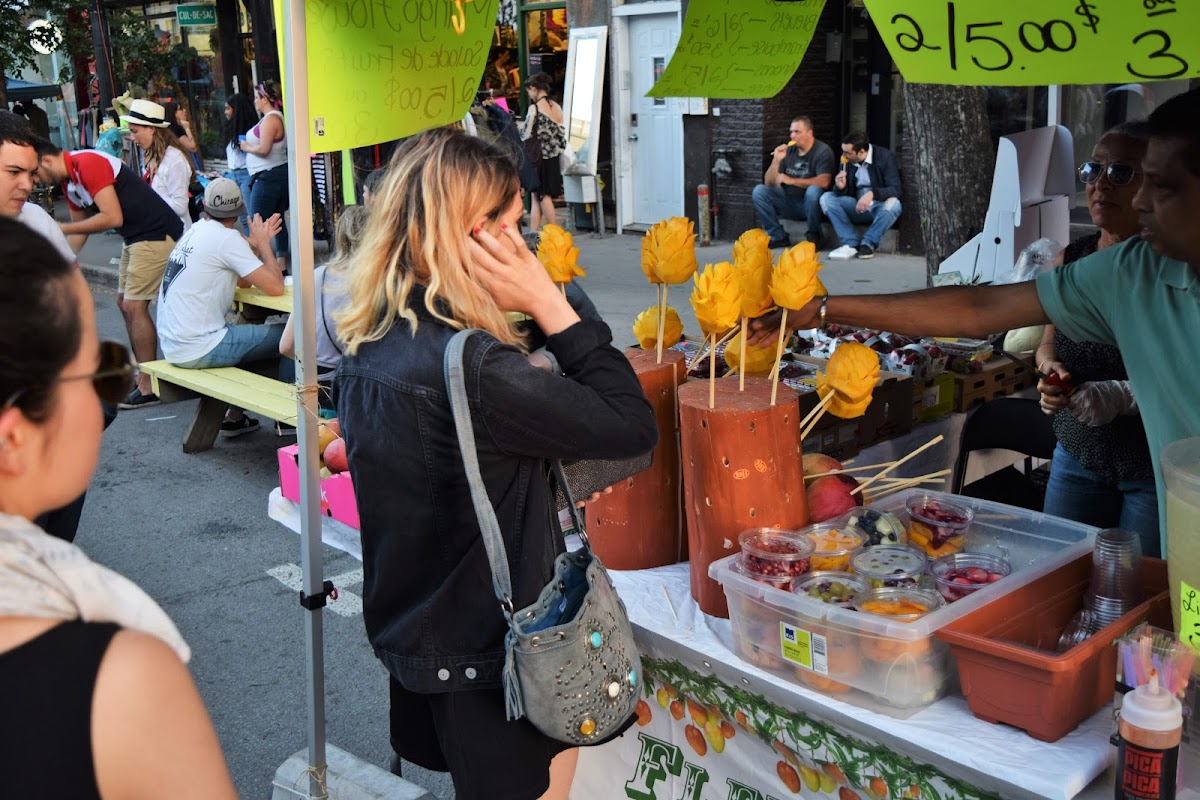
{"x": 834, "y": 545}
{"x": 960, "y": 574}
{"x": 881, "y": 527}
{"x": 905, "y": 605}
{"x": 890, "y": 566}
{"x": 835, "y": 588}
{"x": 937, "y": 526}
{"x": 774, "y": 556}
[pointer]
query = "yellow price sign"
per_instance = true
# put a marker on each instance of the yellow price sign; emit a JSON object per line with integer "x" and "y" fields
{"x": 746, "y": 50}
{"x": 1040, "y": 42}
{"x": 1189, "y": 616}
{"x": 384, "y": 69}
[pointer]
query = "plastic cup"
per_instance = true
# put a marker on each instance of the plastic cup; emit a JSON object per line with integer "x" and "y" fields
{"x": 782, "y": 582}
{"x": 1116, "y": 558}
{"x": 901, "y": 603}
{"x": 960, "y": 574}
{"x": 829, "y": 586}
{"x": 1181, "y": 473}
{"x": 881, "y": 527}
{"x": 886, "y": 566}
{"x": 834, "y": 545}
{"x": 936, "y": 525}
{"x": 774, "y": 554}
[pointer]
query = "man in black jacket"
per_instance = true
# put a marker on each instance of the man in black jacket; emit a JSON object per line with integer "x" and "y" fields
{"x": 866, "y": 192}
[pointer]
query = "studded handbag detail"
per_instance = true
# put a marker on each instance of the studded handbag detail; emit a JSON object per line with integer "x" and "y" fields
{"x": 571, "y": 667}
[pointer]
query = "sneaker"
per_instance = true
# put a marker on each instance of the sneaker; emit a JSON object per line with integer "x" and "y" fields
{"x": 866, "y": 251}
{"x": 236, "y": 427}
{"x": 138, "y": 400}
{"x": 283, "y": 429}
{"x": 815, "y": 238}
{"x": 777, "y": 243}
{"x": 843, "y": 253}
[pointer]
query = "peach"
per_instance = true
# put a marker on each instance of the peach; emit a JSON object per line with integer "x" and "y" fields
{"x": 830, "y": 497}
{"x": 817, "y": 463}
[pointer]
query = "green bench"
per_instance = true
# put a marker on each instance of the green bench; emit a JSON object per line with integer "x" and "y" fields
{"x": 218, "y": 389}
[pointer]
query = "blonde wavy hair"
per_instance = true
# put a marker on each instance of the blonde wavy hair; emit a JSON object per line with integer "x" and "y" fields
{"x": 437, "y": 186}
{"x": 157, "y": 150}
{"x": 350, "y": 227}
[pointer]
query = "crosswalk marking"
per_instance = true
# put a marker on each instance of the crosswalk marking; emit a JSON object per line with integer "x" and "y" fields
{"x": 348, "y": 604}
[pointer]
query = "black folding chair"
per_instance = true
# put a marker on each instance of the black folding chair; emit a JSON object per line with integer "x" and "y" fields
{"x": 1007, "y": 423}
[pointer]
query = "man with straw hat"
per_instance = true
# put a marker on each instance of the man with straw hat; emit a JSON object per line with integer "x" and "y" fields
{"x": 103, "y": 193}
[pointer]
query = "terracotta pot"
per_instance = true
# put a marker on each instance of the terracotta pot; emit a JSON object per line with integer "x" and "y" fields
{"x": 741, "y": 469}
{"x": 640, "y": 525}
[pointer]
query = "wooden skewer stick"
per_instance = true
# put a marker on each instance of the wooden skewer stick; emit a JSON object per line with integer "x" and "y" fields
{"x": 904, "y": 485}
{"x": 742, "y": 360}
{"x": 895, "y": 464}
{"x": 810, "y": 422}
{"x": 853, "y": 469}
{"x": 662, "y": 321}
{"x": 563, "y": 286}
{"x": 778, "y": 355}
{"x": 704, "y": 348}
{"x": 712, "y": 375}
{"x": 923, "y": 478}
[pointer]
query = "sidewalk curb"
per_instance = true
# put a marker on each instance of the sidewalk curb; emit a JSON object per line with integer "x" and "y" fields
{"x": 99, "y": 277}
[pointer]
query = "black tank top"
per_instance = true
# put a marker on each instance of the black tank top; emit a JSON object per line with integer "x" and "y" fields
{"x": 46, "y": 689}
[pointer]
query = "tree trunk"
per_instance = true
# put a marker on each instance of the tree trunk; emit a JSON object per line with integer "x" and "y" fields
{"x": 947, "y": 128}
{"x": 3, "y": 87}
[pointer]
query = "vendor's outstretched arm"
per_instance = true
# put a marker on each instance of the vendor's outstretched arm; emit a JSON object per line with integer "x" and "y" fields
{"x": 975, "y": 311}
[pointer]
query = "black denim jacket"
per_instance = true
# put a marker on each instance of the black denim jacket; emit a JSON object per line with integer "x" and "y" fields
{"x": 429, "y": 607}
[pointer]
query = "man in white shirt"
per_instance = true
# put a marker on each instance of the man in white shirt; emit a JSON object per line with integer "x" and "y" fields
{"x": 204, "y": 269}
{"x": 18, "y": 165}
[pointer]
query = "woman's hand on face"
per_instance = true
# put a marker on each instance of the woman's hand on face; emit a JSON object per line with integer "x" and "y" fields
{"x": 507, "y": 270}
{"x": 1051, "y": 397}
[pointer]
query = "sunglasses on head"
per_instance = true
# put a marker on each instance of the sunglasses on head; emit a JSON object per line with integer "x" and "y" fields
{"x": 1117, "y": 174}
{"x": 113, "y": 380}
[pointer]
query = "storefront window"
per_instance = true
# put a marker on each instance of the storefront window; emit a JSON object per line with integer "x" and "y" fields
{"x": 546, "y": 37}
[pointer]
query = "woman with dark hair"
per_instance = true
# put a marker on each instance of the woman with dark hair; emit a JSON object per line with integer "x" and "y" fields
{"x": 90, "y": 667}
{"x": 1102, "y": 474}
{"x": 179, "y": 124}
{"x": 440, "y": 253}
{"x": 544, "y": 121}
{"x": 239, "y": 117}
{"x": 265, "y": 147}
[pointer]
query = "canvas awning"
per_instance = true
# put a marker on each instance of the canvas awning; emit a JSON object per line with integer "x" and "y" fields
{"x": 25, "y": 90}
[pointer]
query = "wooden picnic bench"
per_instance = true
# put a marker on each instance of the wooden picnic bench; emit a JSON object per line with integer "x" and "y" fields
{"x": 218, "y": 389}
{"x": 254, "y": 296}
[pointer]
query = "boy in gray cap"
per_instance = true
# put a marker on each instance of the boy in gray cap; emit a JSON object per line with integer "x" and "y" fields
{"x": 211, "y": 260}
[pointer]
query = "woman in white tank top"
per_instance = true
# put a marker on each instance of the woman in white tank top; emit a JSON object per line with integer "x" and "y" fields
{"x": 266, "y": 160}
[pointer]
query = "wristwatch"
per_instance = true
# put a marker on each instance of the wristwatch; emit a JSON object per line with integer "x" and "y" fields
{"x": 824, "y": 307}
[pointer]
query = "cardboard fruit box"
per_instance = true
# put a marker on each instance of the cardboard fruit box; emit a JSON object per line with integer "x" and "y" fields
{"x": 337, "y": 491}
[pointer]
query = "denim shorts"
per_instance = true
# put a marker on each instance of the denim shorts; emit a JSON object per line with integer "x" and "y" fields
{"x": 241, "y": 344}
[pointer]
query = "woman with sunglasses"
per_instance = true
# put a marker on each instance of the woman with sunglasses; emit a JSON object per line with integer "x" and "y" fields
{"x": 93, "y": 687}
{"x": 441, "y": 253}
{"x": 265, "y": 147}
{"x": 1101, "y": 474}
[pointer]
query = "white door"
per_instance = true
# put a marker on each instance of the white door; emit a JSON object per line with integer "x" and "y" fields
{"x": 657, "y": 123}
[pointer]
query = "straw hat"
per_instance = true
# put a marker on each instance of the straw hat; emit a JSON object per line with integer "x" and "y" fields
{"x": 145, "y": 112}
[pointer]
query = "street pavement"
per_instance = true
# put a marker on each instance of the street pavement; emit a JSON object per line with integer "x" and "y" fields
{"x": 193, "y": 531}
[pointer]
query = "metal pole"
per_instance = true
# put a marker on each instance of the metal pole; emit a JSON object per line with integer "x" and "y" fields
{"x": 300, "y": 235}
{"x": 703, "y": 210}
{"x": 1053, "y": 105}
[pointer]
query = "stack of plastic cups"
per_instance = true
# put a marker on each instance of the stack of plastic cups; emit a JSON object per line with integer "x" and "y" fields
{"x": 1115, "y": 589}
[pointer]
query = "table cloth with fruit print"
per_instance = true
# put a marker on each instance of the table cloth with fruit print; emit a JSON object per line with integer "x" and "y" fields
{"x": 713, "y": 727}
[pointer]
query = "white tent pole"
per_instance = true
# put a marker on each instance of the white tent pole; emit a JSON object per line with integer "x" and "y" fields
{"x": 300, "y": 233}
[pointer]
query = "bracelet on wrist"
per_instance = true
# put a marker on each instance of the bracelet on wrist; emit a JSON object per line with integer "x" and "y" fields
{"x": 824, "y": 308}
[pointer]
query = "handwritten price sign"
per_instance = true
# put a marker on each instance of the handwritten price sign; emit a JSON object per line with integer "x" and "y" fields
{"x": 744, "y": 49}
{"x": 1189, "y": 615}
{"x": 383, "y": 69}
{"x": 1040, "y": 42}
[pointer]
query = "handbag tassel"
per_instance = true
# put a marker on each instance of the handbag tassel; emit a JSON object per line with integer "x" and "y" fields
{"x": 514, "y": 708}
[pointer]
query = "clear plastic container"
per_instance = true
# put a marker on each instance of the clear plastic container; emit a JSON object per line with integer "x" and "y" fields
{"x": 881, "y": 527}
{"x": 961, "y": 574}
{"x": 774, "y": 555}
{"x": 936, "y": 524}
{"x": 781, "y": 631}
{"x": 829, "y": 586}
{"x": 834, "y": 545}
{"x": 890, "y": 566}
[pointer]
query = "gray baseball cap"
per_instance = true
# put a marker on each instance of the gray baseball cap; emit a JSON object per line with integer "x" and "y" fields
{"x": 223, "y": 199}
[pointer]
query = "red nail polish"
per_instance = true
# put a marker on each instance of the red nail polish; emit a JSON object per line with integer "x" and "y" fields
{"x": 475, "y": 231}
{"x": 503, "y": 226}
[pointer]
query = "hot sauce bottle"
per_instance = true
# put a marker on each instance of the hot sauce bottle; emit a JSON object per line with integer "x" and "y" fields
{"x": 1148, "y": 751}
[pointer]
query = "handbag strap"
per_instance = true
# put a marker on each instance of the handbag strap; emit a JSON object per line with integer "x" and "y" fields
{"x": 489, "y": 526}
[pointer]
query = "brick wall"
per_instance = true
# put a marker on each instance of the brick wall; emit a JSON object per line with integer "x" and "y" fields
{"x": 752, "y": 128}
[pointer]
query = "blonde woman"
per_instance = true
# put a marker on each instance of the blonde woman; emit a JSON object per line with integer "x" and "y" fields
{"x": 168, "y": 166}
{"x": 441, "y": 253}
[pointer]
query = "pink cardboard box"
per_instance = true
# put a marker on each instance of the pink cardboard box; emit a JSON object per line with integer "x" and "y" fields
{"x": 337, "y": 491}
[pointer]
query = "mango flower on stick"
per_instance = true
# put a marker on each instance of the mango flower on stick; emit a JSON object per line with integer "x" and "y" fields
{"x": 752, "y": 262}
{"x": 793, "y": 283}
{"x": 647, "y": 330}
{"x": 717, "y": 305}
{"x": 672, "y": 243}
{"x": 846, "y": 385}
{"x": 649, "y": 261}
{"x": 758, "y": 361}
{"x": 559, "y": 255}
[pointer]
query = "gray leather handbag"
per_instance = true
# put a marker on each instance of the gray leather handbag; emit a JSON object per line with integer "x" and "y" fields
{"x": 571, "y": 668}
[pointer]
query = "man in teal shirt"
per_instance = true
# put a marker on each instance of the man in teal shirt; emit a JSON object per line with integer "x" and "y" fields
{"x": 1143, "y": 295}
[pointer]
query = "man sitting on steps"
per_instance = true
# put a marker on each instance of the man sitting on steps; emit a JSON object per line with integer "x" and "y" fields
{"x": 800, "y": 172}
{"x": 867, "y": 192}
{"x": 205, "y": 268}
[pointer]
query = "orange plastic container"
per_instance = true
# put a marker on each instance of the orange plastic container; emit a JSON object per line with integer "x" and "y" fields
{"x": 1007, "y": 656}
